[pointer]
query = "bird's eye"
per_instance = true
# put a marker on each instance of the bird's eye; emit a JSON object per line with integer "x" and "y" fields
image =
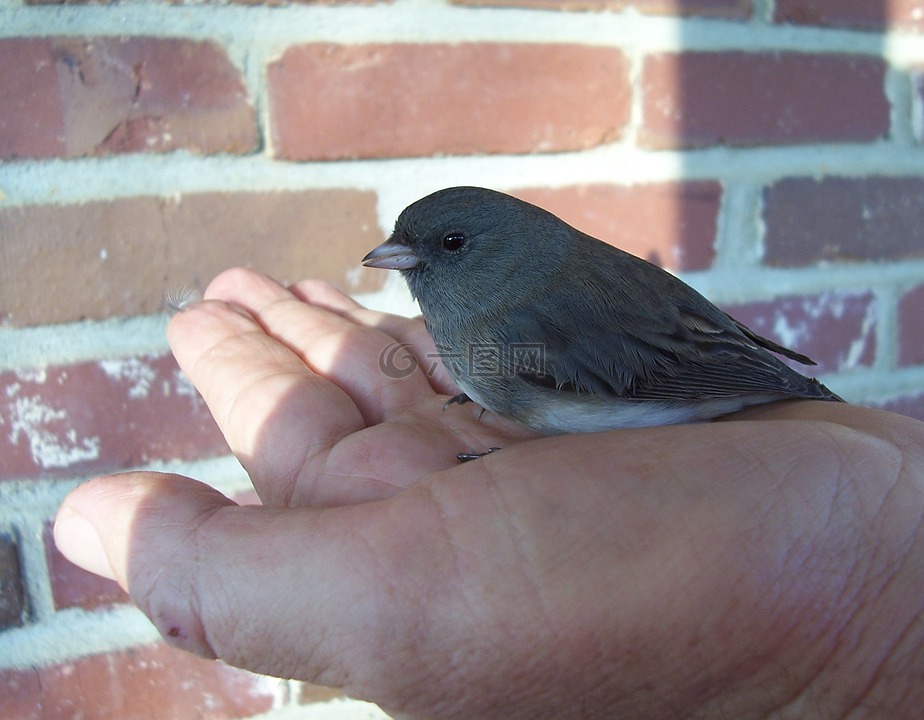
{"x": 453, "y": 241}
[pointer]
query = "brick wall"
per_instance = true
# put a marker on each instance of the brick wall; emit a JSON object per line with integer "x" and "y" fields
{"x": 771, "y": 152}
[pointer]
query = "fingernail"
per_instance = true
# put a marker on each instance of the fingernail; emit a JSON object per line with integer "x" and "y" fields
{"x": 78, "y": 540}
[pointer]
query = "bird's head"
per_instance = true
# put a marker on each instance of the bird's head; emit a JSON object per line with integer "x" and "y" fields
{"x": 470, "y": 245}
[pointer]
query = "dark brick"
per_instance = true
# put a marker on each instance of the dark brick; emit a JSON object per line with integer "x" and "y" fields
{"x": 12, "y": 592}
{"x": 856, "y": 14}
{"x": 836, "y": 329}
{"x": 98, "y": 96}
{"x": 727, "y": 9}
{"x": 72, "y": 586}
{"x": 100, "y": 417}
{"x": 698, "y": 99}
{"x": 345, "y": 101}
{"x": 146, "y": 682}
{"x": 843, "y": 219}
{"x": 112, "y": 258}
{"x": 670, "y": 224}
{"x": 911, "y": 327}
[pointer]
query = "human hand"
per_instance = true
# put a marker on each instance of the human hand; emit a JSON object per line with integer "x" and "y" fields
{"x": 770, "y": 565}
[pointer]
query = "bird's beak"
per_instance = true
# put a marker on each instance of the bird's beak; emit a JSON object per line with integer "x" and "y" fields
{"x": 392, "y": 255}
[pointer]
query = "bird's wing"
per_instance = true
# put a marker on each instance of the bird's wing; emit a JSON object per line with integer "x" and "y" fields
{"x": 683, "y": 355}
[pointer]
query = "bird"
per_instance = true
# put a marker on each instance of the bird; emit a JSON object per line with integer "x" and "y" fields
{"x": 537, "y": 321}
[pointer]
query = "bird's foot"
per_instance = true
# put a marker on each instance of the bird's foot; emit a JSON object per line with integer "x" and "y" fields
{"x": 459, "y": 399}
{"x": 465, "y": 457}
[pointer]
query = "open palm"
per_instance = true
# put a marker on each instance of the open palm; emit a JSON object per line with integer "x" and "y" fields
{"x": 771, "y": 565}
{"x": 322, "y": 400}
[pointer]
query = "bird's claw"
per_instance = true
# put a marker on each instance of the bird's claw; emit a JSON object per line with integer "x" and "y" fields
{"x": 459, "y": 399}
{"x": 465, "y": 457}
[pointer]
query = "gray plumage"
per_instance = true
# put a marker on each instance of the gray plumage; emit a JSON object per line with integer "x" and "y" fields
{"x": 538, "y": 321}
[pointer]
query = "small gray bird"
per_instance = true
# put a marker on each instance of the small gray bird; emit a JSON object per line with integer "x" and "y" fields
{"x": 539, "y": 322}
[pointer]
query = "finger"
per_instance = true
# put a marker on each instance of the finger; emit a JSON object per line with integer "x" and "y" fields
{"x": 262, "y": 588}
{"x": 346, "y": 353}
{"x": 273, "y": 412}
{"x": 409, "y": 332}
{"x": 302, "y": 438}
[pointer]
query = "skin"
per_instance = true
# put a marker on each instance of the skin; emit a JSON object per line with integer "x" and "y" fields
{"x": 767, "y": 566}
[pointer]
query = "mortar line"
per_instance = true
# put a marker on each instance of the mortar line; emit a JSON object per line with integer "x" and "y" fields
{"x": 428, "y": 23}
{"x": 73, "y": 634}
{"x": 764, "y": 10}
{"x": 898, "y": 91}
{"x": 886, "y": 298}
{"x": 63, "y": 182}
{"x": 737, "y": 232}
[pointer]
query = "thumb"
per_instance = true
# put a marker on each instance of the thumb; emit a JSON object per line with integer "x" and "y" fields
{"x": 259, "y": 587}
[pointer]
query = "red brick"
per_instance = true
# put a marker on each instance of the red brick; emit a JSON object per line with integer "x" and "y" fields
{"x": 137, "y": 684}
{"x": 12, "y": 588}
{"x": 670, "y": 224}
{"x": 911, "y": 404}
{"x": 911, "y": 327}
{"x": 728, "y": 9}
{"x": 118, "y": 257}
{"x": 72, "y": 586}
{"x": 346, "y": 101}
{"x": 100, "y": 417}
{"x": 20, "y": 695}
{"x": 836, "y": 329}
{"x": 699, "y": 99}
{"x": 75, "y": 97}
{"x": 31, "y": 114}
{"x": 843, "y": 219}
{"x": 856, "y": 14}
